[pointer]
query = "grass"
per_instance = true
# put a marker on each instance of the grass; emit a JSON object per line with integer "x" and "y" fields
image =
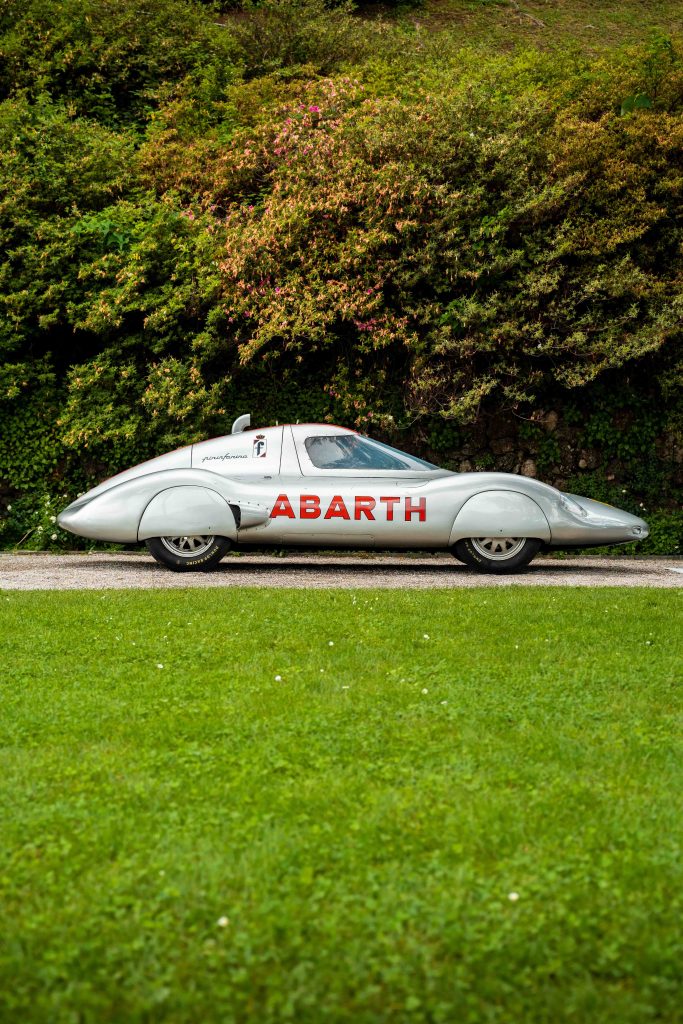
{"x": 592, "y": 26}
{"x": 452, "y": 807}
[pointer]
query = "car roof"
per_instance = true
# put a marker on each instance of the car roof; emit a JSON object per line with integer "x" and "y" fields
{"x": 318, "y": 428}
{"x": 329, "y": 428}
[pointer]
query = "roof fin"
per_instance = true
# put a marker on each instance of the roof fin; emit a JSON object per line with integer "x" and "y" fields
{"x": 241, "y": 423}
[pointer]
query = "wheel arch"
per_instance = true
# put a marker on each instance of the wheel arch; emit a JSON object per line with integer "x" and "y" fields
{"x": 187, "y": 509}
{"x": 500, "y": 513}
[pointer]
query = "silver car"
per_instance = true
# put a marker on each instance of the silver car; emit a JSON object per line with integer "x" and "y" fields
{"x": 317, "y": 485}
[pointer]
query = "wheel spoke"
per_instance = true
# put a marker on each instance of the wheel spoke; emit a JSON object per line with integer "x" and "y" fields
{"x": 189, "y": 545}
{"x": 498, "y": 548}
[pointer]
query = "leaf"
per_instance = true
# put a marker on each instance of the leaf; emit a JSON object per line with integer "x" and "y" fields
{"x": 639, "y": 101}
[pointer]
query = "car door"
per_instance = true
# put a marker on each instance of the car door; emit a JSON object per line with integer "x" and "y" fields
{"x": 354, "y": 492}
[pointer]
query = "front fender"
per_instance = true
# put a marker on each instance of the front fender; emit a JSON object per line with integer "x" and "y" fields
{"x": 114, "y": 512}
{"x": 187, "y": 510}
{"x": 500, "y": 514}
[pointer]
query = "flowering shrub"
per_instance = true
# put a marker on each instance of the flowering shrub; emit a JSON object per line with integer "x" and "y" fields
{"x": 493, "y": 247}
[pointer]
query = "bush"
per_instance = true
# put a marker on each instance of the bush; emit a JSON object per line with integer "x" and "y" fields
{"x": 483, "y": 246}
{"x": 109, "y": 58}
{"x": 277, "y": 34}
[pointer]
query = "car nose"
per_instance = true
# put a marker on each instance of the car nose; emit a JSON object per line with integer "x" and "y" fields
{"x": 67, "y": 517}
{"x": 640, "y": 529}
{"x": 634, "y": 528}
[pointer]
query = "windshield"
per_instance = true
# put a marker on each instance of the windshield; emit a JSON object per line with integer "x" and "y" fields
{"x": 351, "y": 451}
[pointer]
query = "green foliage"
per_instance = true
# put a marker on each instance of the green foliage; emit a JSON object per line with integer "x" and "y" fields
{"x": 432, "y": 235}
{"x": 210, "y": 814}
{"x": 494, "y": 241}
{"x": 547, "y": 448}
{"x": 30, "y": 447}
{"x": 30, "y": 523}
{"x": 274, "y": 34}
{"x": 666, "y": 533}
{"x": 109, "y": 58}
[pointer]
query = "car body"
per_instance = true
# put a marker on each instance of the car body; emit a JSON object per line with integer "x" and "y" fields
{"x": 318, "y": 485}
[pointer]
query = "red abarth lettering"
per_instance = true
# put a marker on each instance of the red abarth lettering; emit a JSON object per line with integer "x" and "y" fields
{"x": 419, "y": 507}
{"x": 282, "y": 507}
{"x": 364, "y": 507}
{"x": 309, "y": 507}
{"x": 390, "y": 502}
{"x": 337, "y": 509}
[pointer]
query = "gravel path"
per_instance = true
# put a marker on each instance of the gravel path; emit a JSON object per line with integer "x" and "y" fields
{"x": 118, "y": 571}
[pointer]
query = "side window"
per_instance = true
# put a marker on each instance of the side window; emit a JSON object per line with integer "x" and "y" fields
{"x": 350, "y": 451}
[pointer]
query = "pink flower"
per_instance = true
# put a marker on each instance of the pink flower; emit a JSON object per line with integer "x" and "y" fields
{"x": 314, "y": 110}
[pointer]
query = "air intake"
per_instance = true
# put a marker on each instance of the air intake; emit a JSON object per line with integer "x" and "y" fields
{"x": 241, "y": 423}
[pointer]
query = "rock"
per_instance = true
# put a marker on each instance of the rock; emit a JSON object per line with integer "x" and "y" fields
{"x": 465, "y": 466}
{"x": 589, "y": 458}
{"x": 502, "y": 445}
{"x": 528, "y": 468}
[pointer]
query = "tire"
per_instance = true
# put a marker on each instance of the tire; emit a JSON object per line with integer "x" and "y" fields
{"x": 496, "y": 554}
{"x": 188, "y": 554}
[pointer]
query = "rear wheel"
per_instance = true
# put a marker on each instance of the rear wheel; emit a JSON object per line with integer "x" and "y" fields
{"x": 496, "y": 554}
{"x": 188, "y": 554}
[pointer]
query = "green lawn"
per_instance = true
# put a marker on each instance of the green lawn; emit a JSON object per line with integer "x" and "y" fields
{"x": 454, "y": 806}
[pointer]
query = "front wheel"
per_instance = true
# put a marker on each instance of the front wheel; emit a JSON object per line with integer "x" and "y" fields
{"x": 496, "y": 554}
{"x": 188, "y": 554}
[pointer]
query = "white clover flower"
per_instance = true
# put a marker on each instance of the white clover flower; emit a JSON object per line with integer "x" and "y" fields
{"x": 53, "y": 536}
{"x": 278, "y": 679}
{"x": 40, "y": 529}
{"x": 425, "y": 691}
{"x": 425, "y": 636}
{"x": 53, "y": 519}
{"x": 444, "y": 702}
{"x": 9, "y": 508}
{"x": 159, "y": 665}
{"x": 513, "y": 896}
{"x": 330, "y": 643}
{"x": 223, "y": 922}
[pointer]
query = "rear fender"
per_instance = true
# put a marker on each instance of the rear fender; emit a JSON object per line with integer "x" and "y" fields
{"x": 500, "y": 514}
{"x": 186, "y": 511}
